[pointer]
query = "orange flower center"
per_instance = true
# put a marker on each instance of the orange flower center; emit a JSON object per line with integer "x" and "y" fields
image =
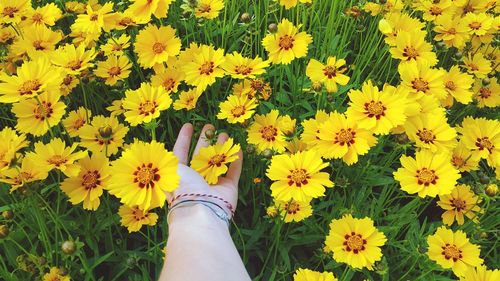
{"x": 452, "y": 31}
{"x": 204, "y": 8}
{"x": 435, "y": 11}
{"x": 168, "y": 84}
{"x": 269, "y": 133}
{"x": 243, "y": 70}
{"x": 457, "y": 161}
{"x": 207, "y": 68}
{"x": 94, "y": 17}
{"x": 375, "y": 109}
{"x": 146, "y": 176}
{"x": 458, "y": 203}
{"x": 57, "y": 160}
{"x": 420, "y": 85}
{"x": 147, "y": 107}
{"x": 330, "y": 71}
{"x": 450, "y": 85}
{"x": 484, "y": 93}
{"x": 217, "y": 160}
{"x": 30, "y": 86}
{"x": 43, "y": 111}
{"x": 138, "y": 214}
{"x": 286, "y": 42}
{"x": 37, "y": 17}
{"x": 91, "y": 180}
{"x": 37, "y": 44}
{"x": 74, "y": 65}
{"x": 292, "y": 208}
{"x": 475, "y": 25}
{"x": 426, "y": 136}
{"x": 114, "y": 71}
{"x": 345, "y": 137}
{"x": 78, "y": 123}
{"x": 299, "y": 177}
{"x": 9, "y": 11}
{"x": 158, "y": 48}
{"x": 451, "y": 252}
{"x": 354, "y": 243}
{"x": 483, "y": 143}
{"x": 238, "y": 111}
{"x": 410, "y": 53}
{"x": 125, "y": 21}
{"x": 257, "y": 85}
{"x": 67, "y": 80}
{"x": 426, "y": 176}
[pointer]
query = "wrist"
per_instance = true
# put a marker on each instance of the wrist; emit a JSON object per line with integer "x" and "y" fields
{"x": 194, "y": 216}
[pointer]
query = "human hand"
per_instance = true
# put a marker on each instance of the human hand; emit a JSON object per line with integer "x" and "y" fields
{"x": 192, "y": 182}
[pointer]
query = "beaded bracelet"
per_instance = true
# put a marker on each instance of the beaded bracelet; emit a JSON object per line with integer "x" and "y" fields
{"x": 218, "y": 211}
{"x": 228, "y": 205}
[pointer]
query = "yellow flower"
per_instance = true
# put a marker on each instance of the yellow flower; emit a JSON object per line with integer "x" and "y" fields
{"x": 265, "y": 132}
{"x": 116, "y": 46}
{"x": 377, "y": 111}
{"x": 482, "y": 137}
{"x": 203, "y": 67}
{"x": 478, "y": 24}
{"x": 115, "y": 68}
{"x": 240, "y": 67}
{"x": 28, "y": 171}
{"x": 298, "y": 176}
{"x": 462, "y": 201}
{"x": 453, "y": 31}
{"x": 12, "y": 11}
{"x": 69, "y": 82}
{"x": 45, "y": 15}
{"x": 55, "y": 274}
{"x": 480, "y": 273}
{"x": 88, "y": 185}
{"x": 75, "y": 120}
{"x": 435, "y": 10}
{"x": 477, "y": 65}
{"x": 355, "y": 242}
{"x": 145, "y": 104}
{"x": 428, "y": 174}
{"x": 56, "y": 155}
{"x": 453, "y": 250}
{"x": 95, "y": 20}
{"x": 310, "y": 134}
{"x": 487, "y": 95}
{"x": 293, "y": 210}
{"x": 330, "y": 74}
{"x": 155, "y": 45}
{"x": 431, "y": 131}
{"x": 237, "y": 109}
{"x": 208, "y": 9}
{"x": 390, "y": 6}
{"x": 463, "y": 160}
{"x": 309, "y": 275}
{"x": 211, "y": 162}
{"x": 167, "y": 77}
{"x": 287, "y": 44}
{"x": 74, "y": 7}
{"x": 420, "y": 80}
{"x": 10, "y": 144}
{"x": 255, "y": 88}
{"x": 73, "y": 60}
{"x": 103, "y": 134}
{"x": 341, "y": 137}
{"x": 33, "y": 78}
{"x": 458, "y": 85}
{"x": 143, "y": 174}
{"x": 133, "y": 218}
{"x": 37, "y": 41}
{"x": 141, "y": 10}
{"x": 287, "y": 125}
{"x": 411, "y": 46}
{"x": 37, "y": 116}
{"x": 394, "y": 23}
{"x": 116, "y": 108}
{"x": 187, "y": 99}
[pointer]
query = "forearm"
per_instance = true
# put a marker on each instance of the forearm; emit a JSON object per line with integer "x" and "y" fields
{"x": 199, "y": 247}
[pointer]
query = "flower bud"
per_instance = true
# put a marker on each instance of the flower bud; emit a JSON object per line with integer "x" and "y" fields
{"x": 4, "y": 231}
{"x": 486, "y": 81}
{"x": 68, "y": 247}
{"x": 210, "y": 134}
{"x": 273, "y": 28}
{"x": 245, "y": 17}
{"x": 268, "y": 153}
{"x": 316, "y": 86}
{"x": 7, "y": 214}
{"x": 484, "y": 180}
{"x": 492, "y": 190}
{"x": 105, "y": 132}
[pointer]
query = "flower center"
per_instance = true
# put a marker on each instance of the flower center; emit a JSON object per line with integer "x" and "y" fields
{"x": 420, "y": 85}
{"x": 91, "y": 180}
{"x": 483, "y": 143}
{"x": 158, "y": 48}
{"x": 450, "y": 85}
{"x": 79, "y": 123}
{"x": 217, "y": 160}
{"x": 354, "y": 243}
{"x": 286, "y": 42}
{"x": 458, "y": 203}
{"x": 94, "y": 17}
{"x": 30, "y": 86}
{"x": 138, "y": 214}
{"x": 345, "y": 137}
{"x": 452, "y": 31}
{"x": 114, "y": 71}
{"x": 74, "y": 65}
{"x": 330, "y": 71}
{"x": 37, "y": 44}
{"x": 57, "y": 160}
{"x": 457, "y": 161}
{"x": 426, "y": 176}
{"x": 426, "y": 135}
{"x": 207, "y": 68}
{"x": 146, "y": 176}
{"x": 375, "y": 109}
{"x": 269, "y": 133}
{"x": 243, "y": 70}
{"x": 125, "y": 21}
{"x": 410, "y": 53}
{"x": 67, "y": 80}
{"x": 299, "y": 177}
{"x": 475, "y": 25}
{"x": 37, "y": 17}
{"x": 238, "y": 111}
{"x": 257, "y": 85}
{"x": 205, "y": 8}
{"x": 168, "y": 84}
{"x": 147, "y": 107}
{"x": 43, "y": 111}
{"x": 435, "y": 11}
{"x": 292, "y": 208}
{"x": 484, "y": 93}
{"x": 451, "y": 252}
{"x": 9, "y": 11}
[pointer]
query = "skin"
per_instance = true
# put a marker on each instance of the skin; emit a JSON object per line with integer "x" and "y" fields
{"x": 199, "y": 245}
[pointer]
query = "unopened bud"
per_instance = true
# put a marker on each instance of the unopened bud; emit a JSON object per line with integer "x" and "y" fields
{"x": 210, "y": 134}
{"x": 4, "y": 231}
{"x": 105, "y": 132}
{"x": 245, "y": 17}
{"x": 268, "y": 153}
{"x": 492, "y": 190}
{"x": 316, "y": 86}
{"x": 273, "y": 28}
{"x": 7, "y": 214}
{"x": 68, "y": 247}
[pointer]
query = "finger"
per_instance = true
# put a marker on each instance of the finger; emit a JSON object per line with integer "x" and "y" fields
{"x": 234, "y": 171}
{"x": 222, "y": 138}
{"x": 183, "y": 142}
{"x": 202, "y": 141}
